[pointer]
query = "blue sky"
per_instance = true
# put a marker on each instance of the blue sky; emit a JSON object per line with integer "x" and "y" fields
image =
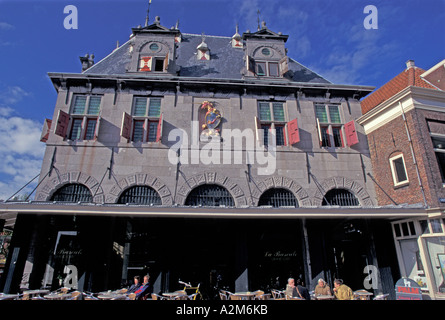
{"x": 326, "y": 36}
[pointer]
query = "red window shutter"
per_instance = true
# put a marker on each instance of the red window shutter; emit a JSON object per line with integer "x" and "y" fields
{"x": 159, "y": 131}
{"x": 284, "y": 66}
{"x": 126, "y": 126}
{"x": 293, "y": 131}
{"x": 145, "y": 64}
{"x": 351, "y": 133}
{"x": 45, "y": 130}
{"x": 63, "y": 120}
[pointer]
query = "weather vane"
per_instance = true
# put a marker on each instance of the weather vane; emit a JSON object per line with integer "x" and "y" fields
{"x": 148, "y": 11}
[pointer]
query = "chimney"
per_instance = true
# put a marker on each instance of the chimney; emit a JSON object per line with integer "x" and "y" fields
{"x": 87, "y": 61}
{"x": 410, "y": 64}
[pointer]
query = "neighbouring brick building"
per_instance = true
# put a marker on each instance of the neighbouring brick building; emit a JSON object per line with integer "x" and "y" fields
{"x": 294, "y": 198}
{"x": 404, "y": 121}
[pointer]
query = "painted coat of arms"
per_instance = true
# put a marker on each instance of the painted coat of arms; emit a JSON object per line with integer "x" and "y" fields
{"x": 212, "y": 119}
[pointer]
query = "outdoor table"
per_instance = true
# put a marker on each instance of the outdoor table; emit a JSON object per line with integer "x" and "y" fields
{"x": 171, "y": 295}
{"x": 9, "y": 296}
{"x": 110, "y": 296}
{"x": 57, "y": 296}
{"x": 245, "y": 295}
{"x": 324, "y": 297}
{"x": 34, "y": 293}
{"x": 363, "y": 294}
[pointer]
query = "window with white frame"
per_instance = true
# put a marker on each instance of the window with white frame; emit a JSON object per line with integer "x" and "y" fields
{"x": 272, "y": 116}
{"x": 85, "y": 112}
{"x": 330, "y": 125}
{"x": 145, "y": 122}
{"x": 398, "y": 170}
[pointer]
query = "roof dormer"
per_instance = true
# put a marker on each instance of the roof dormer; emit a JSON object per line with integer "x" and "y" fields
{"x": 237, "y": 40}
{"x": 153, "y": 48}
{"x": 203, "y": 52}
{"x": 265, "y": 53}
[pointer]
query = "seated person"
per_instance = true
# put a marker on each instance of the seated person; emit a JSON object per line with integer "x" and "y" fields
{"x": 322, "y": 288}
{"x": 135, "y": 286}
{"x": 342, "y": 291}
{"x": 145, "y": 289}
{"x": 302, "y": 291}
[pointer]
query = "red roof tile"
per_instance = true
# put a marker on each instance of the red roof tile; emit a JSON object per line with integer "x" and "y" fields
{"x": 408, "y": 77}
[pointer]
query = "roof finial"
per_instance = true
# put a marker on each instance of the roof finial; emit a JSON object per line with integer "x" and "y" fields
{"x": 258, "y": 12}
{"x": 177, "y": 25}
{"x": 148, "y": 11}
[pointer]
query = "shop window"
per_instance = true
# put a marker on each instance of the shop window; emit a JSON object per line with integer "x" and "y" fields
{"x": 209, "y": 195}
{"x": 436, "y": 226}
{"x": 278, "y": 197}
{"x": 142, "y": 195}
{"x": 398, "y": 170}
{"x": 73, "y": 193}
{"x": 340, "y": 197}
{"x": 424, "y": 226}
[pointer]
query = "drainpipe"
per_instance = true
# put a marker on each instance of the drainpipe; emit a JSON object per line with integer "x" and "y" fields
{"x": 412, "y": 153}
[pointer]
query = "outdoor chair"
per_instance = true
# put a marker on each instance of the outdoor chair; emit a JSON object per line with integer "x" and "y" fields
{"x": 264, "y": 296}
{"x": 155, "y": 296}
{"x": 292, "y": 298}
{"x": 382, "y": 297}
{"x": 192, "y": 296}
{"x": 223, "y": 296}
{"x": 277, "y": 294}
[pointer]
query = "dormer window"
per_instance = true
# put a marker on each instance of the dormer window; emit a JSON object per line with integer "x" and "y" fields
{"x": 266, "y": 62}
{"x": 153, "y": 59}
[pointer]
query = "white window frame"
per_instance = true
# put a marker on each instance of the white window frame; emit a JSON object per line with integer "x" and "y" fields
{"x": 393, "y": 170}
{"x": 85, "y": 117}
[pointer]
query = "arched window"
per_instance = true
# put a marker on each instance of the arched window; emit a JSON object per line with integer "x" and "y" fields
{"x": 278, "y": 197}
{"x": 73, "y": 192}
{"x": 140, "y": 195}
{"x": 340, "y": 197}
{"x": 210, "y": 195}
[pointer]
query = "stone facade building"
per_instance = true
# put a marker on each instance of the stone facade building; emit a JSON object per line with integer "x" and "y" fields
{"x": 210, "y": 159}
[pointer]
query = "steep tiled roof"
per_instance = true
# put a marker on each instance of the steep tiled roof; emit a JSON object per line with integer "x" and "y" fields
{"x": 225, "y": 62}
{"x": 408, "y": 77}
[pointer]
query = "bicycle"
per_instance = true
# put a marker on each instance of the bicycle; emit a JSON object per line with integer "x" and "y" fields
{"x": 194, "y": 291}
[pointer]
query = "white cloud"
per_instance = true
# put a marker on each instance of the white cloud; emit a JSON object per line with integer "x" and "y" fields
{"x": 12, "y": 95}
{"x": 6, "y": 26}
{"x": 20, "y": 148}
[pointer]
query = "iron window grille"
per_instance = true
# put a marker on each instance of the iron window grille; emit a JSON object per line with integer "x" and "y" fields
{"x": 340, "y": 197}
{"x": 209, "y": 195}
{"x": 73, "y": 193}
{"x": 278, "y": 197}
{"x": 143, "y": 195}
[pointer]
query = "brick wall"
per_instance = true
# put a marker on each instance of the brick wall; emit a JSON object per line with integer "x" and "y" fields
{"x": 392, "y": 139}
